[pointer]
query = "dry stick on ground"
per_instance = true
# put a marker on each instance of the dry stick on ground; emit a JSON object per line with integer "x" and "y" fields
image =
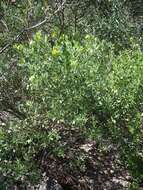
{"x": 30, "y": 28}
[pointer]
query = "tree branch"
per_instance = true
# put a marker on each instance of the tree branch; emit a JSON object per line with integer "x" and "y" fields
{"x": 30, "y": 28}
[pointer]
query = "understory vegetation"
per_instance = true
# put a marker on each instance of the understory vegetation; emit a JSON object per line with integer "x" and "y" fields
{"x": 75, "y": 80}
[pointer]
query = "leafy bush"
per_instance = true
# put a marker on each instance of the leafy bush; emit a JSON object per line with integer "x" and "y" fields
{"x": 84, "y": 86}
{"x": 113, "y": 23}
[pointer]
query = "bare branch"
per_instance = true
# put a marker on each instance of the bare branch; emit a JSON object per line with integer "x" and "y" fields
{"x": 5, "y": 25}
{"x": 14, "y": 39}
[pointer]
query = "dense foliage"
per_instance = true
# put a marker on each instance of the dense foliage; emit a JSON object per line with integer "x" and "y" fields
{"x": 82, "y": 80}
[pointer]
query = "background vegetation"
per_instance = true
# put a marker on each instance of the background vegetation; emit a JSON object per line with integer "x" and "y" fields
{"x": 71, "y": 72}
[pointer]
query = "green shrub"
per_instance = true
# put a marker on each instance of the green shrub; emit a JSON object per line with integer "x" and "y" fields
{"x": 85, "y": 86}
